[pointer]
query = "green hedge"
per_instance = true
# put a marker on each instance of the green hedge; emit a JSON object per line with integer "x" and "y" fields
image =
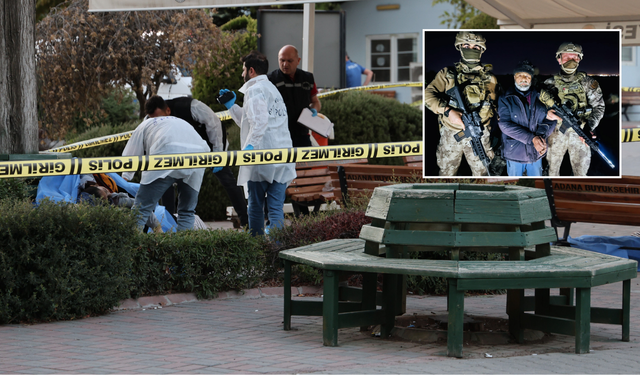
{"x": 202, "y": 261}
{"x": 15, "y": 188}
{"x": 108, "y": 149}
{"x": 62, "y": 261}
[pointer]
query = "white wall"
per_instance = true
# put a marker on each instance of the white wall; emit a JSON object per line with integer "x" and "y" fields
{"x": 363, "y": 19}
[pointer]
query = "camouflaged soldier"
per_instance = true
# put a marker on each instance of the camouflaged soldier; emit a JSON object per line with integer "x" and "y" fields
{"x": 478, "y": 87}
{"x": 583, "y": 95}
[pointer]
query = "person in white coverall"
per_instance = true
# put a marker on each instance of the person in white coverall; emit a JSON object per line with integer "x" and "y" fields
{"x": 160, "y": 135}
{"x": 263, "y": 125}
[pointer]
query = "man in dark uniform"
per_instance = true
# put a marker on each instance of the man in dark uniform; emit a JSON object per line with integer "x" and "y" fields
{"x": 299, "y": 91}
{"x": 478, "y": 87}
{"x": 208, "y": 126}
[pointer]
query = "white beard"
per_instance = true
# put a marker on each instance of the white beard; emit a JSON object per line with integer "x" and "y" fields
{"x": 523, "y": 88}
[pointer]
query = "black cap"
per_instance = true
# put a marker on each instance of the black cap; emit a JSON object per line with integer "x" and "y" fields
{"x": 524, "y": 66}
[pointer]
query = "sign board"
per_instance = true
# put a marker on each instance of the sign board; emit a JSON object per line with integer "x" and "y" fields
{"x": 630, "y": 29}
{"x": 130, "y": 5}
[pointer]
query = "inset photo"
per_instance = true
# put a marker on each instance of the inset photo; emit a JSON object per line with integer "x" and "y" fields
{"x": 521, "y": 103}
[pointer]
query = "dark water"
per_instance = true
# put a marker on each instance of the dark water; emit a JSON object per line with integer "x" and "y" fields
{"x": 608, "y": 132}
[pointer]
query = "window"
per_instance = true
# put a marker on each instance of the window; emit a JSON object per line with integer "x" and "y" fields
{"x": 629, "y": 56}
{"x": 390, "y": 56}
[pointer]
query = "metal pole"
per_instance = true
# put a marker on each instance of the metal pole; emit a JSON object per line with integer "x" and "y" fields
{"x": 308, "y": 36}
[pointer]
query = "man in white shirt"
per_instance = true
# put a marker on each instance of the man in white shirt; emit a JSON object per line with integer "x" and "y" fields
{"x": 159, "y": 135}
{"x": 263, "y": 124}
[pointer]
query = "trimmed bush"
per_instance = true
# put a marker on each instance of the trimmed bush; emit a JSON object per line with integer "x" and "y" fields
{"x": 14, "y": 188}
{"x": 305, "y": 230}
{"x": 119, "y": 106}
{"x": 201, "y": 261}
{"x": 63, "y": 261}
{"x": 108, "y": 149}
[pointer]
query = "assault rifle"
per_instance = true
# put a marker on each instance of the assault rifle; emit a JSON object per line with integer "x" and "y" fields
{"x": 570, "y": 121}
{"x": 472, "y": 128}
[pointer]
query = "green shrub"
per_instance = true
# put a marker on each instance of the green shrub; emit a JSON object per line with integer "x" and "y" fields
{"x": 362, "y": 117}
{"x": 14, "y": 189}
{"x": 305, "y": 230}
{"x": 243, "y": 31}
{"x": 201, "y": 261}
{"x": 107, "y": 149}
{"x": 117, "y": 107}
{"x": 63, "y": 261}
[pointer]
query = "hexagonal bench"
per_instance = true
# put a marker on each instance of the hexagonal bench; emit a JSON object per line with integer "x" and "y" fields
{"x": 458, "y": 217}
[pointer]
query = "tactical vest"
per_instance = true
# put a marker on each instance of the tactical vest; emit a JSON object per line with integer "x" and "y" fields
{"x": 573, "y": 95}
{"x": 181, "y": 108}
{"x": 474, "y": 87}
{"x": 296, "y": 95}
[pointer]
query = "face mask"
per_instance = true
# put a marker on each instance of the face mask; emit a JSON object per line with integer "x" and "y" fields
{"x": 570, "y": 67}
{"x": 470, "y": 54}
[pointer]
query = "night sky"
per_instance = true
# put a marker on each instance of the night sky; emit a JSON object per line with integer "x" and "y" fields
{"x": 505, "y": 48}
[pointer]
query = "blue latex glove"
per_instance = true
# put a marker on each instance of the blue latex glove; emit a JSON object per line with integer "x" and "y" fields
{"x": 216, "y": 169}
{"x": 248, "y": 148}
{"x": 314, "y": 113}
{"x": 231, "y": 102}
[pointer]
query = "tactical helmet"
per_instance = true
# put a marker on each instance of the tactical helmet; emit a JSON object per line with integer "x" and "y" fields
{"x": 568, "y": 47}
{"x": 465, "y": 37}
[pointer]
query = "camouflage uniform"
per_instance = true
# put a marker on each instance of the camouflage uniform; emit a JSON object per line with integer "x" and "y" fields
{"x": 583, "y": 94}
{"x": 478, "y": 88}
{"x": 589, "y": 94}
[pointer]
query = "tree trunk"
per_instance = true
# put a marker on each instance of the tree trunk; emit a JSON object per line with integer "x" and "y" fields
{"x": 18, "y": 109}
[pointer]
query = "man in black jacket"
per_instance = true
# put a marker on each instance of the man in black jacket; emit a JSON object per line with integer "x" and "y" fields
{"x": 299, "y": 91}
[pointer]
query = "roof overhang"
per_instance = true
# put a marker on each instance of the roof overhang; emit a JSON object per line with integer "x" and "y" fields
{"x": 566, "y": 14}
{"x": 133, "y": 5}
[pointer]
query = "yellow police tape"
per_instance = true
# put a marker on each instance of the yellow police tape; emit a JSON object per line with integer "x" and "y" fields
{"x": 631, "y": 135}
{"x": 630, "y": 89}
{"x": 370, "y": 87}
{"x": 61, "y": 167}
{"x": 223, "y": 115}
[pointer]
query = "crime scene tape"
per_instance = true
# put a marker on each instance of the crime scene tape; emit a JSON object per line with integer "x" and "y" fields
{"x": 630, "y": 89}
{"x": 63, "y": 167}
{"x": 631, "y": 135}
{"x": 223, "y": 116}
{"x": 370, "y": 87}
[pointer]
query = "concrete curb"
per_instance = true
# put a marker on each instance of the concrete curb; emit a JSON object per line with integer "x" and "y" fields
{"x": 155, "y": 302}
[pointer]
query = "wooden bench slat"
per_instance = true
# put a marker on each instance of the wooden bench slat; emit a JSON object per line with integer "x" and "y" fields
{"x": 480, "y": 211}
{"x": 349, "y": 255}
{"x": 311, "y": 173}
{"x": 631, "y": 209}
{"x": 306, "y": 181}
{"x": 313, "y": 196}
{"x": 600, "y": 217}
{"x": 456, "y": 239}
{"x": 596, "y": 197}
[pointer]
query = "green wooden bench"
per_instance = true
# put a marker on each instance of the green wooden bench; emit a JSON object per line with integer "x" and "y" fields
{"x": 459, "y": 218}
